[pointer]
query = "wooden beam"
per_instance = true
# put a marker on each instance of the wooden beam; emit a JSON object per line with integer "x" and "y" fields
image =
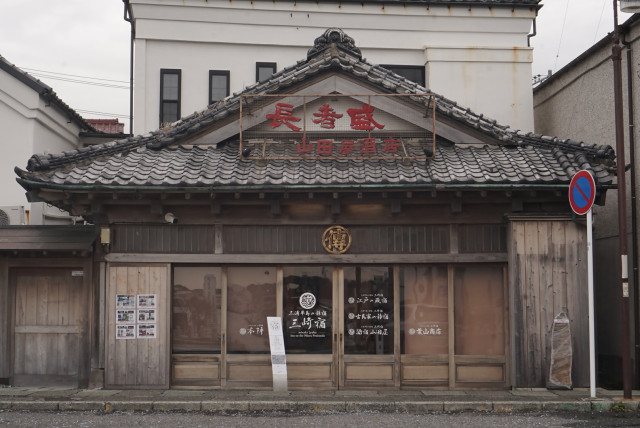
{"x": 275, "y": 207}
{"x": 396, "y": 206}
{"x": 156, "y": 208}
{"x": 456, "y": 205}
{"x": 335, "y": 207}
{"x": 305, "y": 258}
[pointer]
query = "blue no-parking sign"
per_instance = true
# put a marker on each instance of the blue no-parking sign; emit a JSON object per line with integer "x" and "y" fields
{"x": 582, "y": 192}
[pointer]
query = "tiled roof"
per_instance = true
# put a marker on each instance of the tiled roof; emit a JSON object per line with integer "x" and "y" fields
{"x": 148, "y": 160}
{"x": 210, "y": 167}
{"x": 45, "y": 91}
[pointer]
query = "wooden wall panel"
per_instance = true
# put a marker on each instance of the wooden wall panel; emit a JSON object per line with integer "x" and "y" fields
{"x": 138, "y": 363}
{"x": 5, "y": 310}
{"x": 51, "y": 327}
{"x": 400, "y": 239}
{"x": 164, "y": 238}
{"x": 547, "y": 275}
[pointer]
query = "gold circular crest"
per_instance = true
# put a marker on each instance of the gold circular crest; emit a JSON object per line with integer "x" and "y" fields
{"x": 336, "y": 240}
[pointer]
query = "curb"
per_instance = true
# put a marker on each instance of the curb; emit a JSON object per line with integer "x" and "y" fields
{"x": 247, "y": 406}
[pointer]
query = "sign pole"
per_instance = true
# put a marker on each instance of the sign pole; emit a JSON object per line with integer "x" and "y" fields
{"x": 592, "y": 339}
{"x": 582, "y": 194}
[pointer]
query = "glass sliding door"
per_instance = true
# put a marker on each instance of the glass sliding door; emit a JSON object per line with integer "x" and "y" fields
{"x": 368, "y": 331}
{"x": 308, "y": 323}
{"x": 196, "y": 326}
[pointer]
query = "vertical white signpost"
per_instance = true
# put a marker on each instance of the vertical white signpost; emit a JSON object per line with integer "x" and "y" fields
{"x": 582, "y": 193}
{"x": 278, "y": 356}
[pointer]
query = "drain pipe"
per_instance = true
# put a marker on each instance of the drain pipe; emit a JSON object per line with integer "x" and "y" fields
{"x": 128, "y": 16}
{"x": 534, "y": 33}
{"x": 634, "y": 215}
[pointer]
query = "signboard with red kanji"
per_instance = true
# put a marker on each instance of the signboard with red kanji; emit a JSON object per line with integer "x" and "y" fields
{"x": 335, "y": 126}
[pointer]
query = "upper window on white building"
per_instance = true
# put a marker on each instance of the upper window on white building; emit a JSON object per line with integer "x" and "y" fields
{"x": 415, "y": 73}
{"x": 264, "y": 70}
{"x": 170, "y": 80}
{"x": 218, "y": 85}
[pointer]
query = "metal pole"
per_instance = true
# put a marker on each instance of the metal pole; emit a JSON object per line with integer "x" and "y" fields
{"x": 592, "y": 338}
{"x": 616, "y": 57}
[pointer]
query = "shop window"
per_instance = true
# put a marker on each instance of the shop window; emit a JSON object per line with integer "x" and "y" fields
{"x": 479, "y": 310}
{"x": 169, "y": 95}
{"x": 368, "y": 310}
{"x": 195, "y": 321}
{"x": 414, "y": 73}
{"x": 264, "y": 70}
{"x": 251, "y": 298}
{"x": 308, "y": 309}
{"x": 424, "y": 323}
{"x": 218, "y": 85}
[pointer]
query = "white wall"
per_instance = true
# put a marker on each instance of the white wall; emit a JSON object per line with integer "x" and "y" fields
{"x": 477, "y": 56}
{"x": 29, "y": 126}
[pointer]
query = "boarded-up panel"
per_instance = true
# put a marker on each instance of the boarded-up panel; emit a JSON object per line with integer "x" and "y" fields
{"x": 547, "y": 271}
{"x": 429, "y": 373}
{"x": 139, "y": 362}
{"x": 50, "y": 327}
{"x": 248, "y": 372}
{"x": 311, "y": 372}
{"x": 196, "y": 371}
{"x": 372, "y": 372}
{"x": 480, "y": 374}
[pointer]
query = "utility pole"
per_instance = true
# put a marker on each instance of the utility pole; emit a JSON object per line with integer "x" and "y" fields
{"x": 616, "y": 57}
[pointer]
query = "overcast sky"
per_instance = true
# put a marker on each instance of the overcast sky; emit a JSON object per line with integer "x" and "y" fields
{"x": 89, "y": 38}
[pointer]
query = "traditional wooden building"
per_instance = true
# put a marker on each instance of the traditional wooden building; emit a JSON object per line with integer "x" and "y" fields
{"x": 405, "y": 241}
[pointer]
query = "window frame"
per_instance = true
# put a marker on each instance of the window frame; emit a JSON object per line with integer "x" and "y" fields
{"x": 225, "y": 73}
{"x": 164, "y": 72}
{"x": 259, "y": 65}
{"x": 394, "y": 67}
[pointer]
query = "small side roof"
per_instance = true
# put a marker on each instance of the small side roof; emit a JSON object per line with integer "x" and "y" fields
{"x": 47, "y": 238}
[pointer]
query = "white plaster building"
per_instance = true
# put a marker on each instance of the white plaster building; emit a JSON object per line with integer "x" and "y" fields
{"x": 34, "y": 120}
{"x": 474, "y": 52}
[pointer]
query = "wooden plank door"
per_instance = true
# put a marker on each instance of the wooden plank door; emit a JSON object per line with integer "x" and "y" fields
{"x": 50, "y": 327}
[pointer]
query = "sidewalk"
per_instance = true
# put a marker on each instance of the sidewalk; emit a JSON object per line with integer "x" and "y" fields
{"x": 41, "y": 399}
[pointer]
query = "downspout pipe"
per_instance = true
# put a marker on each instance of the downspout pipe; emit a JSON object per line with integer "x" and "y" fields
{"x": 128, "y": 16}
{"x": 534, "y": 32}
{"x": 634, "y": 210}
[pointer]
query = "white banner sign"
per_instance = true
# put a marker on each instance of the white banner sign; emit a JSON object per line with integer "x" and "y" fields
{"x": 278, "y": 357}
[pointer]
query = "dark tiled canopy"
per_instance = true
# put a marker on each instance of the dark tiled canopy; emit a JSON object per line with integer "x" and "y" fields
{"x": 157, "y": 160}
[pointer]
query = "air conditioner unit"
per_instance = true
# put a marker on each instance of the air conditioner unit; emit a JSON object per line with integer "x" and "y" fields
{"x": 10, "y": 216}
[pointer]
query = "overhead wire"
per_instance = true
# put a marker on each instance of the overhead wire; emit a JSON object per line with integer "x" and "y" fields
{"x": 79, "y": 79}
{"x": 74, "y": 75}
{"x": 595, "y": 36}
{"x": 564, "y": 22}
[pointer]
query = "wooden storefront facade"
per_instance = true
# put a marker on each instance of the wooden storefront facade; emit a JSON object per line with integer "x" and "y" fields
{"x": 431, "y": 252}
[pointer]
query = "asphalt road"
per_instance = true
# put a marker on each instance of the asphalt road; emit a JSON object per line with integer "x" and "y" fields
{"x": 345, "y": 420}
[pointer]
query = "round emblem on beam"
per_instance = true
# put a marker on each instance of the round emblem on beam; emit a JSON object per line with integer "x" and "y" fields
{"x": 336, "y": 240}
